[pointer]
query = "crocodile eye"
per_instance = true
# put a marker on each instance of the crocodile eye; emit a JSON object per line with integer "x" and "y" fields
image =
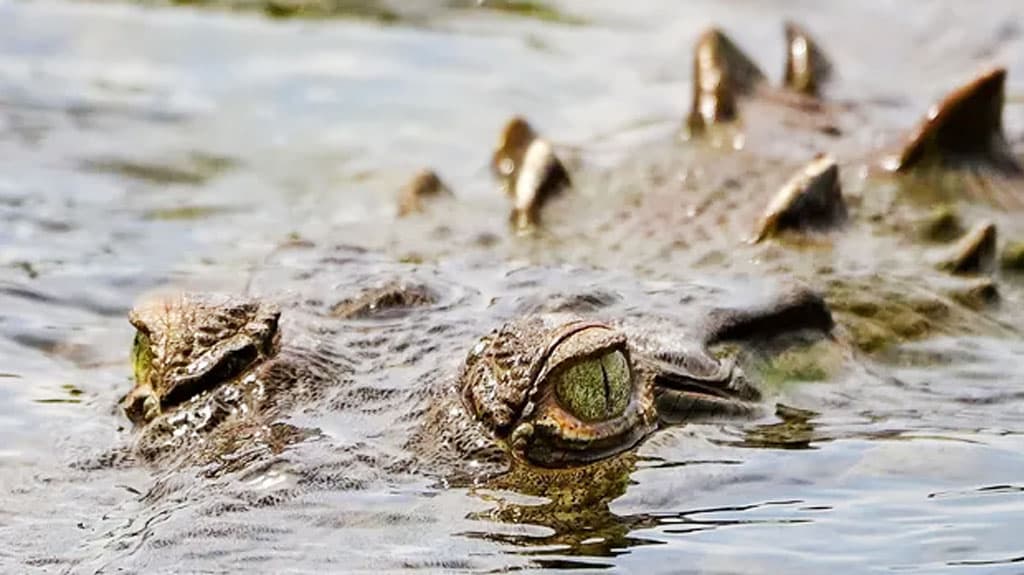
{"x": 142, "y": 357}
{"x": 596, "y": 388}
{"x": 224, "y": 362}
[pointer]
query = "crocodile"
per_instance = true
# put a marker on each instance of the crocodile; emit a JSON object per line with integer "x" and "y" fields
{"x": 554, "y": 402}
{"x": 555, "y": 395}
{"x": 554, "y": 388}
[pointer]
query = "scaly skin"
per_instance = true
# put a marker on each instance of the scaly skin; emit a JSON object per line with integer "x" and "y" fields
{"x": 869, "y": 242}
{"x": 553, "y": 404}
{"x": 555, "y": 390}
{"x": 212, "y": 375}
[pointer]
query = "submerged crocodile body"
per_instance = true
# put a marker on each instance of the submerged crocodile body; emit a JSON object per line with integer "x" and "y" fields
{"x": 553, "y": 389}
{"x": 904, "y": 241}
{"x": 557, "y": 391}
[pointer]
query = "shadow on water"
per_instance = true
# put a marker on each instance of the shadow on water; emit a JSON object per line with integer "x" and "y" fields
{"x": 794, "y": 431}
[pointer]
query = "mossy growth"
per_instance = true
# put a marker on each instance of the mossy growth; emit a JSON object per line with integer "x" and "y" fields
{"x": 816, "y": 362}
{"x": 875, "y": 313}
{"x": 875, "y": 317}
{"x": 941, "y": 225}
{"x": 976, "y": 295}
{"x": 1012, "y": 258}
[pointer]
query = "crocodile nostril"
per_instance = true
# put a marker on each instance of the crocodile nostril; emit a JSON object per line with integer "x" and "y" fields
{"x": 141, "y": 406}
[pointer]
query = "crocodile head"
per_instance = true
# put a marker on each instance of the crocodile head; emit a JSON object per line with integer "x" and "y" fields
{"x": 188, "y": 344}
{"x": 560, "y": 391}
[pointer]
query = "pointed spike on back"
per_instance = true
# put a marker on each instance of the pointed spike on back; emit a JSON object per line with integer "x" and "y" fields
{"x": 812, "y": 199}
{"x": 741, "y": 70}
{"x": 529, "y": 171}
{"x": 966, "y": 126}
{"x": 977, "y": 294}
{"x": 541, "y": 177}
{"x": 516, "y": 136}
{"x": 974, "y": 253}
{"x": 721, "y": 73}
{"x": 1012, "y": 258}
{"x": 423, "y": 187}
{"x": 807, "y": 67}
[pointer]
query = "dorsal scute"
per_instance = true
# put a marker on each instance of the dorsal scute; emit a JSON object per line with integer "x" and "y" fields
{"x": 529, "y": 170}
{"x": 807, "y": 66}
{"x": 721, "y": 74}
{"x": 811, "y": 200}
{"x": 424, "y": 187}
{"x": 966, "y": 126}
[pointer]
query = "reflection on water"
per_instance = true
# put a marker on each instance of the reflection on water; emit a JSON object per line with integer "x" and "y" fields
{"x": 576, "y": 520}
{"x": 795, "y": 431}
{"x": 147, "y": 147}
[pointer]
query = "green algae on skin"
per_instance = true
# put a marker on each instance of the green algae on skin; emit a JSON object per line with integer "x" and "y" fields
{"x": 875, "y": 315}
{"x": 1012, "y": 258}
{"x": 937, "y": 185}
{"x": 816, "y": 362}
{"x": 941, "y": 225}
{"x": 894, "y": 325}
{"x": 875, "y": 319}
{"x": 141, "y": 357}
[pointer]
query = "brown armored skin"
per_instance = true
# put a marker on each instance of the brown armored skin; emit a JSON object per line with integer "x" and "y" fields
{"x": 187, "y": 345}
{"x": 566, "y": 391}
{"x": 551, "y": 390}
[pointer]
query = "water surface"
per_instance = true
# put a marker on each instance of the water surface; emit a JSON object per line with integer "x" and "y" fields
{"x": 168, "y": 147}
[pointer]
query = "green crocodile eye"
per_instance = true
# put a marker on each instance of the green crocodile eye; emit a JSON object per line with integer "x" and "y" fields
{"x": 596, "y": 388}
{"x": 142, "y": 357}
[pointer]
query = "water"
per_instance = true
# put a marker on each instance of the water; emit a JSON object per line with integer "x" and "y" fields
{"x": 148, "y": 148}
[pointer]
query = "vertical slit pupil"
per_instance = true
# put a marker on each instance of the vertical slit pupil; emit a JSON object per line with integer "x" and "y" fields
{"x": 607, "y": 389}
